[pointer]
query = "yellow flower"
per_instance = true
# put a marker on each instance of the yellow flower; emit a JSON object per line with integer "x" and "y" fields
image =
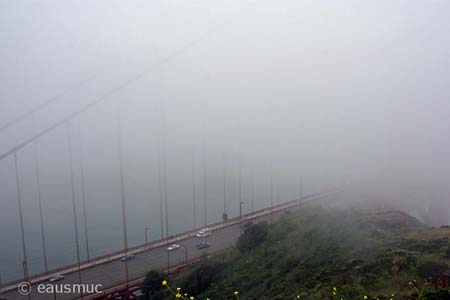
{"x": 178, "y": 289}
{"x": 298, "y": 296}
{"x": 178, "y": 295}
{"x": 191, "y": 298}
{"x": 334, "y": 293}
{"x": 164, "y": 283}
{"x": 365, "y": 297}
{"x": 185, "y": 294}
{"x": 334, "y": 289}
{"x": 236, "y": 293}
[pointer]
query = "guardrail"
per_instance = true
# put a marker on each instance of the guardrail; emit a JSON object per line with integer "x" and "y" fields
{"x": 132, "y": 284}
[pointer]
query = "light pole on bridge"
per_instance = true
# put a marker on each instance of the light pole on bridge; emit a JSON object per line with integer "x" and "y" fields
{"x": 185, "y": 253}
{"x": 300, "y": 189}
{"x": 240, "y": 216}
{"x": 271, "y": 198}
{"x": 168, "y": 263}
{"x": 253, "y": 194}
{"x": 146, "y": 235}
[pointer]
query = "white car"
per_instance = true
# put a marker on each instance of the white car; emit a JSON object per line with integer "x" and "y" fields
{"x": 173, "y": 247}
{"x": 203, "y": 233}
{"x": 127, "y": 257}
{"x": 57, "y": 277}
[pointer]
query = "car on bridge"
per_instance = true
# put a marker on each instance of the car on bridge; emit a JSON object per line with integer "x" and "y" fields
{"x": 247, "y": 225}
{"x": 203, "y": 233}
{"x": 56, "y": 278}
{"x": 203, "y": 245}
{"x": 127, "y": 257}
{"x": 173, "y": 247}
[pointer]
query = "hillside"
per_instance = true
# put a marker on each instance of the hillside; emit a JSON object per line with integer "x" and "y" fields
{"x": 327, "y": 254}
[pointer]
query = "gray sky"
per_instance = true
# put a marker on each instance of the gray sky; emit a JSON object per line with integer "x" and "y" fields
{"x": 330, "y": 91}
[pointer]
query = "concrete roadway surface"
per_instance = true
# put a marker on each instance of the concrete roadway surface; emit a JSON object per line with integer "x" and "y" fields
{"x": 113, "y": 273}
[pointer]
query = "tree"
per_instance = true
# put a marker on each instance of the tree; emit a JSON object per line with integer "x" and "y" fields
{"x": 252, "y": 237}
{"x": 431, "y": 269}
{"x": 447, "y": 253}
{"x": 151, "y": 287}
{"x": 202, "y": 276}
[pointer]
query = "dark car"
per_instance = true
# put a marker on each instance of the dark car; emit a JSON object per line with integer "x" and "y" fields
{"x": 203, "y": 245}
{"x": 247, "y": 225}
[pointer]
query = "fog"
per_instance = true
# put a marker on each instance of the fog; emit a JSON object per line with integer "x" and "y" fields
{"x": 306, "y": 95}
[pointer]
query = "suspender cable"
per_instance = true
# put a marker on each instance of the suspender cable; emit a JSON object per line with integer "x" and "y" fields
{"x": 39, "y": 195}
{"x": 240, "y": 189}
{"x": 164, "y": 155}
{"x": 194, "y": 206}
{"x": 83, "y": 193}
{"x": 163, "y": 168}
{"x": 239, "y": 162}
{"x": 165, "y": 188}
{"x": 74, "y": 205}
{"x": 22, "y": 231}
{"x": 160, "y": 192}
{"x": 224, "y": 189}
{"x": 122, "y": 186}
{"x": 205, "y": 208}
{"x": 253, "y": 193}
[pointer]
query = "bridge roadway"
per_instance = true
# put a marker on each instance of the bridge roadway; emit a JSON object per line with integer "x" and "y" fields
{"x": 110, "y": 271}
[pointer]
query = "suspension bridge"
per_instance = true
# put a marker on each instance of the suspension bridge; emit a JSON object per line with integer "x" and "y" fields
{"x": 108, "y": 269}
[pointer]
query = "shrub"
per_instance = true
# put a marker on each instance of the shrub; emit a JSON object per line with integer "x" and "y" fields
{"x": 397, "y": 260}
{"x": 290, "y": 264}
{"x": 151, "y": 287}
{"x": 437, "y": 295}
{"x": 350, "y": 292}
{"x": 447, "y": 253}
{"x": 431, "y": 269}
{"x": 201, "y": 278}
{"x": 252, "y": 237}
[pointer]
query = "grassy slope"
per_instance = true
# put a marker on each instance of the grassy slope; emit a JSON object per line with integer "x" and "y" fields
{"x": 309, "y": 252}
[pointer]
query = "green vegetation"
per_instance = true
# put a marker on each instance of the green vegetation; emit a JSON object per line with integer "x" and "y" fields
{"x": 205, "y": 274}
{"x": 151, "y": 287}
{"x": 324, "y": 254}
{"x": 447, "y": 253}
{"x": 252, "y": 237}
